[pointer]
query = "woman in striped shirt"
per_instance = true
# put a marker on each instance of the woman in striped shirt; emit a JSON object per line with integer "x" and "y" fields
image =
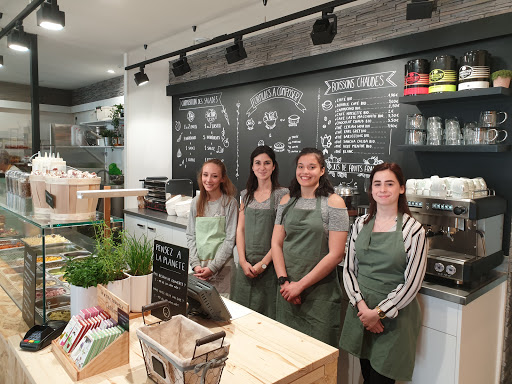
{"x": 384, "y": 269}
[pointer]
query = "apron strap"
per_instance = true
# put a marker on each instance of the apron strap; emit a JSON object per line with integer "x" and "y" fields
{"x": 291, "y": 202}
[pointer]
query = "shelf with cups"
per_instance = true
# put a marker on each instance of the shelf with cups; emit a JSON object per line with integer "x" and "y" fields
{"x": 490, "y": 148}
{"x": 469, "y": 94}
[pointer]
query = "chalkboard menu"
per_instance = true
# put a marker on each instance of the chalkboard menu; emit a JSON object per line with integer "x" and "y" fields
{"x": 170, "y": 267}
{"x": 349, "y": 114}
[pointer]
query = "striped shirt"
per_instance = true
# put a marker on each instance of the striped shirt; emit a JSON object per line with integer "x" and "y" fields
{"x": 415, "y": 245}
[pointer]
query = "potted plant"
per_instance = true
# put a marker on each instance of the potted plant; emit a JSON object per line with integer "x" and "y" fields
{"x": 501, "y": 78}
{"x": 83, "y": 275}
{"x": 139, "y": 257}
{"x": 116, "y": 115}
{"x": 107, "y": 135}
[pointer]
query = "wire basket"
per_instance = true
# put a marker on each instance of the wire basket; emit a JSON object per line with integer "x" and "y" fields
{"x": 180, "y": 351}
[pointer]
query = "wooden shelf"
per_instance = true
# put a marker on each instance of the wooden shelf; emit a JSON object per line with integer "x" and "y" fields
{"x": 469, "y": 94}
{"x": 490, "y": 148}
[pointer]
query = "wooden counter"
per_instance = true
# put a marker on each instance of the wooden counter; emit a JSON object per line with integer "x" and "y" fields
{"x": 262, "y": 351}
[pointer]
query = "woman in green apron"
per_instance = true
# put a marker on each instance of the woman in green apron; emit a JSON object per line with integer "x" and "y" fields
{"x": 255, "y": 283}
{"x": 384, "y": 269}
{"x": 211, "y": 227}
{"x": 307, "y": 244}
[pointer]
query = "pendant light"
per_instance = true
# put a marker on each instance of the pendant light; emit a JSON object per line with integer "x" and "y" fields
{"x": 18, "y": 39}
{"x": 50, "y": 17}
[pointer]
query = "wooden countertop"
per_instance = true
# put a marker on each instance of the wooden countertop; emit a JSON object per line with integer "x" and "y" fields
{"x": 262, "y": 351}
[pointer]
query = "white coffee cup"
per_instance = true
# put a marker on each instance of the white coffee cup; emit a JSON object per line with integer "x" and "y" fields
{"x": 460, "y": 188}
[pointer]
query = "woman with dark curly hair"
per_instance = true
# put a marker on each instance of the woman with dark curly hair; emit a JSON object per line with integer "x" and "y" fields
{"x": 307, "y": 244}
{"x": 255, "y": 285}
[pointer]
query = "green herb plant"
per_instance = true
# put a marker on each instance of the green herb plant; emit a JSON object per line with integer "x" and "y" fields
{"x": 501, "y": 73}
{"x": 116, "y": 114}
{"x": 85, "y": 272}
{"x": 139, "y": 254}
{"x": 109, "y": 249}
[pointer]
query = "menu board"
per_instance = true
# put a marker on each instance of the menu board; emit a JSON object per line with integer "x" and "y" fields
{"x": 170, "y": 277}
{"x": 350, "y": 114}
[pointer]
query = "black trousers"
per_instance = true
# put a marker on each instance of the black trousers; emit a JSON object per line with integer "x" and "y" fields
{"x": 371, "y": 376}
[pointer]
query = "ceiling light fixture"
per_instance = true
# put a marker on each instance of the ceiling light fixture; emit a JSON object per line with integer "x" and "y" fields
{"x": 18, "y": 39}
{"x": 50, "y": 17}
{"x": 141, "y": 78}
{"x": 1, "y": 61}
{"x": 236, "y": 52}
{"x": 323, "y": 29}
{"x": 181, "y": 66}
{"x": 111, "y": 71}
{"x": 419, "y": 9}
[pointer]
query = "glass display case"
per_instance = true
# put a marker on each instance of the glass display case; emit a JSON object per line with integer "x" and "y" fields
{"x": 32, "y": 260}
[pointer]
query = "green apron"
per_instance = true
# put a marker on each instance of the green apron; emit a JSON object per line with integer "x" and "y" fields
{"x": 305, "y": 244}
{"x": 382, "y": 263}
{"x": 259, "y": 293}
{"x": 210, "y": 234}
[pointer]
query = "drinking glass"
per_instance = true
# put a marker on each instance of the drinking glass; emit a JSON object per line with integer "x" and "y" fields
{"x": 469, "y": 133}
{"x": 452, "y": 131}
{"x": 434, "y": 131}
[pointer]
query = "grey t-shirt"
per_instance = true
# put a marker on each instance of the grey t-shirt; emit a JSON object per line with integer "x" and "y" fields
{"x": 278, "y": 195}
{"x": 334, "y": 219}
{"x": 225, "y": 206}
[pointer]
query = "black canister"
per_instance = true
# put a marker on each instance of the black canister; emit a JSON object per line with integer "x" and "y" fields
{"x": 474, "y": 70}
{"x": 416, "y": 77}
{"x": 443, "y": 74}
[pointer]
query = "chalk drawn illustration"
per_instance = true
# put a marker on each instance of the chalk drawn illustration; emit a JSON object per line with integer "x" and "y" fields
{"x": 179, "y": 137}
{"x": 270, "y": 119}
{"x": 293, "y": 120}
{"x": 374, "y": 160}
{"x": 220, "y": 149}
{"x": 224, "y": 139}
{"x": 326, "y": 143}
{"x": 327, "y": 105}
{"x": 178, "y": 154}
{"x": 225, "y": 114}
{"x": 250, "y": 124}
{"x": 211, "y": 115}
{"x": 279, "y": 147}
{"x": 177, "y": 126}
{"x": 261, "y": 143}
{"x": 191, "y": 116}
{"x": 237, "y": 141}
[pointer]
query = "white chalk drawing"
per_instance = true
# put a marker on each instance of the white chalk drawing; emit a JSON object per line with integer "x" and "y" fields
{"x": 250, "y": 124}
{"x": 261, "y": 143}
{"x": 177, "y": 126}
{"x": 317, "y": 115}
{"x": 178, "y": 154}
{"x": 225, "y": 114}
{"x": 220, "y": 149}
{"x": 211, "y": 115}
{"x": 224, "y": 139}
{"x": 324, "y": 126}
{"x": 182, "y": 163}
{"x": 279, "y": 147}
{"x": 374, "y": 160}
{"x": 237, "y": 140}
{"x": 326, "y": 143}
{"x": 327, "y": 105}
{"x": 179, "y": 137}
{"x": 360, "y": 83}
{"x": 201, "y": 101}
{"x": 276, "y": 92}
{"x": 293, "y": 120}
{"x": 270, "y": 119}
{"x": 191, "y": 116}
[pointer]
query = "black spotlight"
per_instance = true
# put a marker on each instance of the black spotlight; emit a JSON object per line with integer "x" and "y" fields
{"x": 17, "y": 39}
{"x": 50, "y": 17}
{"x": 140, "y": 77}
{"x": 236, "y": 52}
{"x": 323, "y": 29}
{"x": 419, "y": 9}
{"x": 180, "y": 67}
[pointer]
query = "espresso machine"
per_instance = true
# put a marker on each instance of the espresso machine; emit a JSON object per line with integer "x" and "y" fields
{"x": 465, "y": 235}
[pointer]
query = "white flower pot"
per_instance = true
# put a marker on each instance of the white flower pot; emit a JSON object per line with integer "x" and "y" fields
{"x": 121, "y": 288}
{"x": 140, "y": 294}
{"x": 82, "y": 298}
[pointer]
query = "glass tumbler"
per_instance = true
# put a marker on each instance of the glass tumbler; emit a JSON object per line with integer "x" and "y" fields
{"x": 434, "y": 131}
{"x": 452, "y": 132}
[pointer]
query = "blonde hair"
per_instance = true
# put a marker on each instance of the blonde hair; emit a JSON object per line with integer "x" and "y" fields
{"x": 226, "y": 187}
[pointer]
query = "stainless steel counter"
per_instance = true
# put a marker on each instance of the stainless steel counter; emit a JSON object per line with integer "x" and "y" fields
{"x": 160, "y": 217}
{"x": 459, "y": 295}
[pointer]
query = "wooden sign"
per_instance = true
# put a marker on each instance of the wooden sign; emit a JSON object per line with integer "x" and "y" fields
{"x": 170, "y": 277}
{"x": 114, "y": 306}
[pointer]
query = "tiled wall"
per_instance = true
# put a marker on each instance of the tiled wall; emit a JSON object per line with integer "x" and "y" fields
{"x": 372, "y": 22}
{"x": 98, "y": 91}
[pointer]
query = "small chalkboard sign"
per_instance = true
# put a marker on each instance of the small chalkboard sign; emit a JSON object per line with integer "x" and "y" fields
{"x": 50, "y": 199}
{"x": 170, "y": 276}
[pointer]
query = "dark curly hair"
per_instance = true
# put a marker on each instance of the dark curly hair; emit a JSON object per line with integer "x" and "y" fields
{"x": 402, "y": 200}
{"x": 252, "y": 181}
{"x": 325, "y": 187}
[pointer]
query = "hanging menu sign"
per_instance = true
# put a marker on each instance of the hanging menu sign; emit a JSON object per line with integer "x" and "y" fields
{"x": 349, "y": 114}
{"x": 170, "y": 276}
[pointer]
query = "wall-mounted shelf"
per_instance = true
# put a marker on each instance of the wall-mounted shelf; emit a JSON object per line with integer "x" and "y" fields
{"x": 466, "y": 95}
{"x": 490, "y": 148}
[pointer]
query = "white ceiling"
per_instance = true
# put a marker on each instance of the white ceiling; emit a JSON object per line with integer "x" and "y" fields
{"x": 98, "y": 32}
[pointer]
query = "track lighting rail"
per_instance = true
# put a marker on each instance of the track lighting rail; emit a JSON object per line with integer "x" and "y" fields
{"x": 238, "y": 34}
{"x": 21, "y": 16}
